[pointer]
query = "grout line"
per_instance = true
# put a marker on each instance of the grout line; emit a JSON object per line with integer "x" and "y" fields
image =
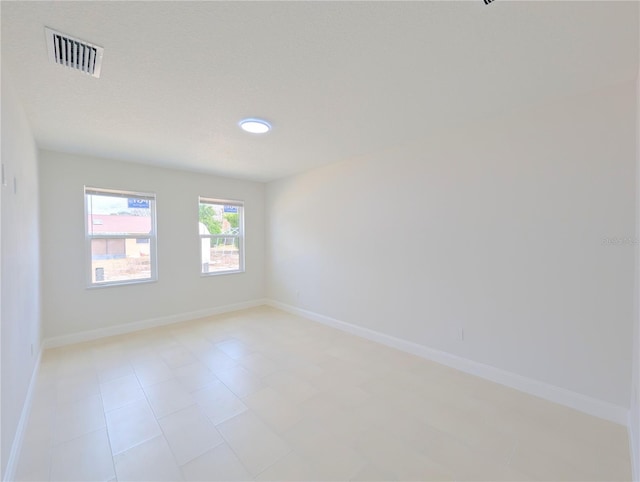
{"x": 106, "y": 426}
{"x": 274, "y": 462}
{"x": 512, "y": 452}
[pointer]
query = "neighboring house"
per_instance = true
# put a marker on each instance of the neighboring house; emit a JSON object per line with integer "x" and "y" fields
{"x": 109, "y": 248}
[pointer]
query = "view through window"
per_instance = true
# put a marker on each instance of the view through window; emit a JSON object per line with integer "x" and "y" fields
{"x": 221, "y": 230}
{"x": 121, "y": 236}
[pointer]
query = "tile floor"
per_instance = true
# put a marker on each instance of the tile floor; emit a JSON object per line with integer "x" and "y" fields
{"x": 264, "y": 395}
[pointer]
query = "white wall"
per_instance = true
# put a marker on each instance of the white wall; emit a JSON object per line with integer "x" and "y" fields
{"x": 634, "y": 413}
{"x": 20, "y": 281}
{"x": 69, "y": 307}
{"x": 495, "y": 228}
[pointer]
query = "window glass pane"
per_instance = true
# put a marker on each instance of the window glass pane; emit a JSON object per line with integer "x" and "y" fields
{"x": 118, "y": 215}
{"x": 220, "y": 253}
{"x": 121, "y": 236}
{"x": 219, "y": 219}
{"x": 221, "y": 235}
{"x": 120, "y": 259}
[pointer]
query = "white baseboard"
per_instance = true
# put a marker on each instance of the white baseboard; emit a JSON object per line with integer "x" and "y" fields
{"x": 583, "y": 403}
{"x": 634, "y": 446}
{"x": 16, "y": 447}
{"x": 123, "y": 328}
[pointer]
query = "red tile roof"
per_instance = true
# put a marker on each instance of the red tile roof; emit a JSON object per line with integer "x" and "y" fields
{"x": 119, "y": 224}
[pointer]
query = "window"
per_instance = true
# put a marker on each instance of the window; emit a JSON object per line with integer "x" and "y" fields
{"x": 221, "y": 230}
{"x": 120, "y": 236}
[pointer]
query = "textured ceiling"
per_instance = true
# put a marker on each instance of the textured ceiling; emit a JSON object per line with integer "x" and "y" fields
{"x": 336, "y": 79}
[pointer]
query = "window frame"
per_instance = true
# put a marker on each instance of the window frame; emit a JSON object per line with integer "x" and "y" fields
{"x": 151, "y": 236}
{"x": 240, "y": 236}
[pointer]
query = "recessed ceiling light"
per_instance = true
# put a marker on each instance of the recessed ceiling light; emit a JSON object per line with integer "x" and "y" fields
{"x": 255, "y": 126}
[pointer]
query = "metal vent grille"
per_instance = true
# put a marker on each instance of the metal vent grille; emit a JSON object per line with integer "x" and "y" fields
{"x": 74, "y": 53}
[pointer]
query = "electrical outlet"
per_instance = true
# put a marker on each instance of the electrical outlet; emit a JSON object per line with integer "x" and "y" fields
{"x": 461, "y": 334}
{"x": 15, "y": 185}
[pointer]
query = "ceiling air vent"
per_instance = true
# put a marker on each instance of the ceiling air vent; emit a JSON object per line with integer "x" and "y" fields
{"x": 74, "y": 53}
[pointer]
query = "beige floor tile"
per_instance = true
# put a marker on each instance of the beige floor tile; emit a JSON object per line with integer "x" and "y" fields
{"x": 282, "y": 378}
{"x": 35, "y": 475}
{"x": 77, "y": 387}
{"x": 292, "y": 467}
{"x": 149, "y": 461}
{"x": 216, "y": 333}
{"x": 297, "y": 392}
{"x": 258, "y": 364}
{"x": 255, "y": 444}
{"x": 595, "y": 448}
{"x": 168, "y": 397}
{"x": 131, "y": 425}
{"x": 234, "y": 348}
{"x": 317, "y": 404}
{"x": 372, "y": 473}
{"x": 83, "y": 459}
{"x": 541, "y": 464}
{"x": 350, "y": 396}
{"x": 189, "y": 433}
{"x": 331, "y": 457}
{"x": 240, "y": 381}
{"x": 108, "y": 351}
{"x": 76, "y": 363}
{"x": 423, "y": 424}
{"x": 151, "y": 371}
{"x": 44, "y": 393}
{"x": 333, "y": 460}
{"x": 78, "y": 418}
{"x": 121, "y": 391}
{"x": 35, "y": 459}
{"x": 138, "y": 351}
{"x": 196, "y": 344}
{"x": 216, "y": 360}
{"x": 108, "y": 371}
{"x": 273, "y": 409}
{"x": 457, "y": 458}
{"x": 217, "y": 464}
{"x": 302, "y": 365}
{"x": 177, "y": 356}
{"x": 379, "y": 447}
{"x": 218, "y": 402}
{"x": 345, "y": 424}
{"x": 41, "y": 422}
{"x": 194, "y": 376}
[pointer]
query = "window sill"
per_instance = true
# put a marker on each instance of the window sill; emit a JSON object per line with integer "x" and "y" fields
{"x": 220, "y": 273}
{"x": 120, "y": 283}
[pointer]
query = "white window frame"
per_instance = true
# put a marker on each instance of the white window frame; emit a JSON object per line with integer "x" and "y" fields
{"x": 151, "y": 236}
{"x": 240, "y": 236}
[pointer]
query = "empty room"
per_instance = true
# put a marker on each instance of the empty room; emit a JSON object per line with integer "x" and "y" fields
{"x": 320, "y": 241}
